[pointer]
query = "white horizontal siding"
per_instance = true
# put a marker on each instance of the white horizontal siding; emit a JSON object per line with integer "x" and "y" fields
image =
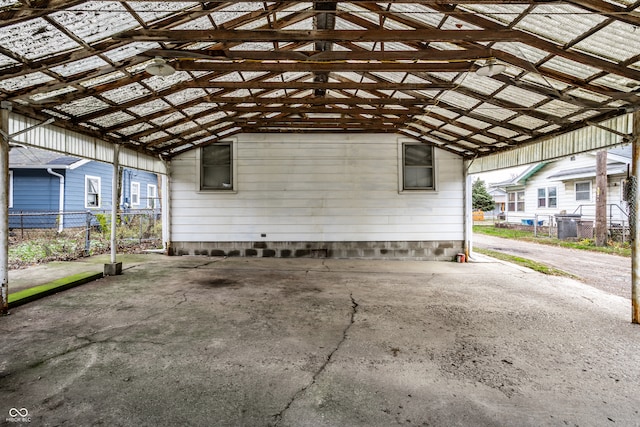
{"x": 566, "y": 195}
{"x": 316, "y": 188}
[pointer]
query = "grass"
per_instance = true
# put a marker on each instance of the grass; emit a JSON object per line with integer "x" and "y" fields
{"x": 30, "y": 294}
{"x": 614, "y": 248}
{"x": 541, "y": 268}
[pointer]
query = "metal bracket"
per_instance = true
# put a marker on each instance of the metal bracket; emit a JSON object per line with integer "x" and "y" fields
{"x": 625, "y": 137}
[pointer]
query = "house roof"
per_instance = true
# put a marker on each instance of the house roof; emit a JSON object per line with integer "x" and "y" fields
{"x": 612, "y": 169}
{"x": 402, "y": 67}
{"x": 34, "y": 158}
{"x": 624, "y": 151}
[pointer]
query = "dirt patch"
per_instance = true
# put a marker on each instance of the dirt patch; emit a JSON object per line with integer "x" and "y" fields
{"x": 219, "y": 283}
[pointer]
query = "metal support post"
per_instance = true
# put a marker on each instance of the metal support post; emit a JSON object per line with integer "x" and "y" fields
{"x": 5, "y": 108}
{"x": 165, "y": 203}
{"x": 467, "y": 210}
{"x": 114, "y": 201}
{"x": 87, "y": 240}
{"x": 635, "y": 229}
{"x": 115, "y": 268}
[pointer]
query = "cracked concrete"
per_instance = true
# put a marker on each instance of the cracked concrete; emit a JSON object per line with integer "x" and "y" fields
{"x": 312, "y": 342}
{"x": 354, "y": 305}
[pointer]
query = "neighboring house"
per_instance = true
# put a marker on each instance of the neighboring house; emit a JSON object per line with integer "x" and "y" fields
{"x": 45, "y": 181}
{"x": 568, "y": 186}
{"x": 352, "y": 195}
{"x": 499, "y": 196}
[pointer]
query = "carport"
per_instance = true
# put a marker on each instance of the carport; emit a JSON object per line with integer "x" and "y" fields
{"x": 494, "y": 83}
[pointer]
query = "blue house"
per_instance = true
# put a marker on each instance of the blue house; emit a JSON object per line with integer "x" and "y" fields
{"x": 43, "y": 181}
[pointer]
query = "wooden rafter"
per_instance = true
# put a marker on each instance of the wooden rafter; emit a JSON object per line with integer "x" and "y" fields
{"x": 255, "y": 36}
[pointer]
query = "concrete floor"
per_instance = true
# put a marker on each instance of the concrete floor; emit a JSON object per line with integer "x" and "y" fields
{"x": 310, "y": 342}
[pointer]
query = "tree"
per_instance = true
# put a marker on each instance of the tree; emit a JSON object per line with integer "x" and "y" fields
{"x": 480, "y": 198}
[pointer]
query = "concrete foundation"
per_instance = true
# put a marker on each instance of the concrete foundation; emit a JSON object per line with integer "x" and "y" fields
{"x": 443, "y": 250}
{"x": 113, "y": 269}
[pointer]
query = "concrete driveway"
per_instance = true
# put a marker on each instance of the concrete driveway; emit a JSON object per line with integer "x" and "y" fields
{"x": 310, "y": 342}
{"x": 610, "y": 273}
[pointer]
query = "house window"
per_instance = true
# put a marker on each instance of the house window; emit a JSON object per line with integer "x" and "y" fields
{"x": 418, "y": 167}
{"x": 515, "y": 201}
{"x": 547, "y": 197}
{"x": 216, "y": 172}
{"x": 151, "y": 196}
{"x": 135, "y": 193}
{"x": 92, "y": 191}
{"x": 583, "y": 191}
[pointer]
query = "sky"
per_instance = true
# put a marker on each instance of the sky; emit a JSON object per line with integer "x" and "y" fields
{"x": 498, "y": 175}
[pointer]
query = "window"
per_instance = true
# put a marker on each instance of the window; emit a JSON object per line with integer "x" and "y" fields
{"x": 151, "y": 196}
{"x": 92, "y": 191}
{"x": 583, "y": 191}
{"x": 547, "y": 197}
{"x": 135, "y": 193}
{"x": 216, "y": 171}
{"x": 515, "y": 201}
{"x": 417, "y": 167}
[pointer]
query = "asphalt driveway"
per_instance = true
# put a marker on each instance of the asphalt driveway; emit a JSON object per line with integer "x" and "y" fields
{"x": 309, "y": 342}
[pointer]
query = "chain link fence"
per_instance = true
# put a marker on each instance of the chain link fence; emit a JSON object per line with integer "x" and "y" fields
{"x": 630, "y": 191}
{"x": 36, "y": 237}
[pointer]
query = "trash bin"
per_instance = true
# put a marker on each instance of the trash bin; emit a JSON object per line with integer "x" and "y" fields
{"x": 567, "y": 225}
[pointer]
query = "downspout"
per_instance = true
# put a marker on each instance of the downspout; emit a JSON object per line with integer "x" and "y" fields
{"x": 61, "y": 199}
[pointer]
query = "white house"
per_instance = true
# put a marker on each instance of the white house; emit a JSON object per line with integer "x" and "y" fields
{"x": 331, "y": 195}
{"x": 568, "y": 186}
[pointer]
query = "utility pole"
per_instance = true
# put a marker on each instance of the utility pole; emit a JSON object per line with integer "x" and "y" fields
{"x": 601, "y": 198}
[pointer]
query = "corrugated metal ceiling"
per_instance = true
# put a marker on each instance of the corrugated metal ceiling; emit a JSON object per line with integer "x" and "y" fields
{"x": 405, "y": 67}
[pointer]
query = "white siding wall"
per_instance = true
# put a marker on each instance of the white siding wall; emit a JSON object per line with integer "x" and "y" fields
{"x": 566, "y": 191}
{"x": 317, "y": 188}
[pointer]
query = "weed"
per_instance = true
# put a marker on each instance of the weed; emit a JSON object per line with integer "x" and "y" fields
{"x": 541, "y": 268}
{"x": 615, "y": 248}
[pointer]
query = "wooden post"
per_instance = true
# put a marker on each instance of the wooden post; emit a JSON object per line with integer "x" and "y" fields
{"x": 635, "y": 229}
{"x": 601, "y": 198}
{"x": 5, "y": 108}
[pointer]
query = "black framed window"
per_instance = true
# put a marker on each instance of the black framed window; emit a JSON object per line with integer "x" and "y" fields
{"x": 418, "y": 167}
{"x": 216, "y": 169}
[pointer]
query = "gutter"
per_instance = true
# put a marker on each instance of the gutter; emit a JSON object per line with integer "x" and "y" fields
{"x": 61, "y": 200}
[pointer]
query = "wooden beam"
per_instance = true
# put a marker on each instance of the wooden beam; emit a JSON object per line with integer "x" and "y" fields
{"x": 284, "y": 67}
{"x": 378, "y": 35}
{"x": 313, "y": 128}
{"x": 431, "y": 55}
{"x": 303, "y": 122}
{"x": 229, "y": 100}
{"x": 425, "y": 2}
{"x": 607, "y": 9}
{"x": 294, "y": 84}
{"x": 548, "y": 46}
{"x": 352, "y": 110}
